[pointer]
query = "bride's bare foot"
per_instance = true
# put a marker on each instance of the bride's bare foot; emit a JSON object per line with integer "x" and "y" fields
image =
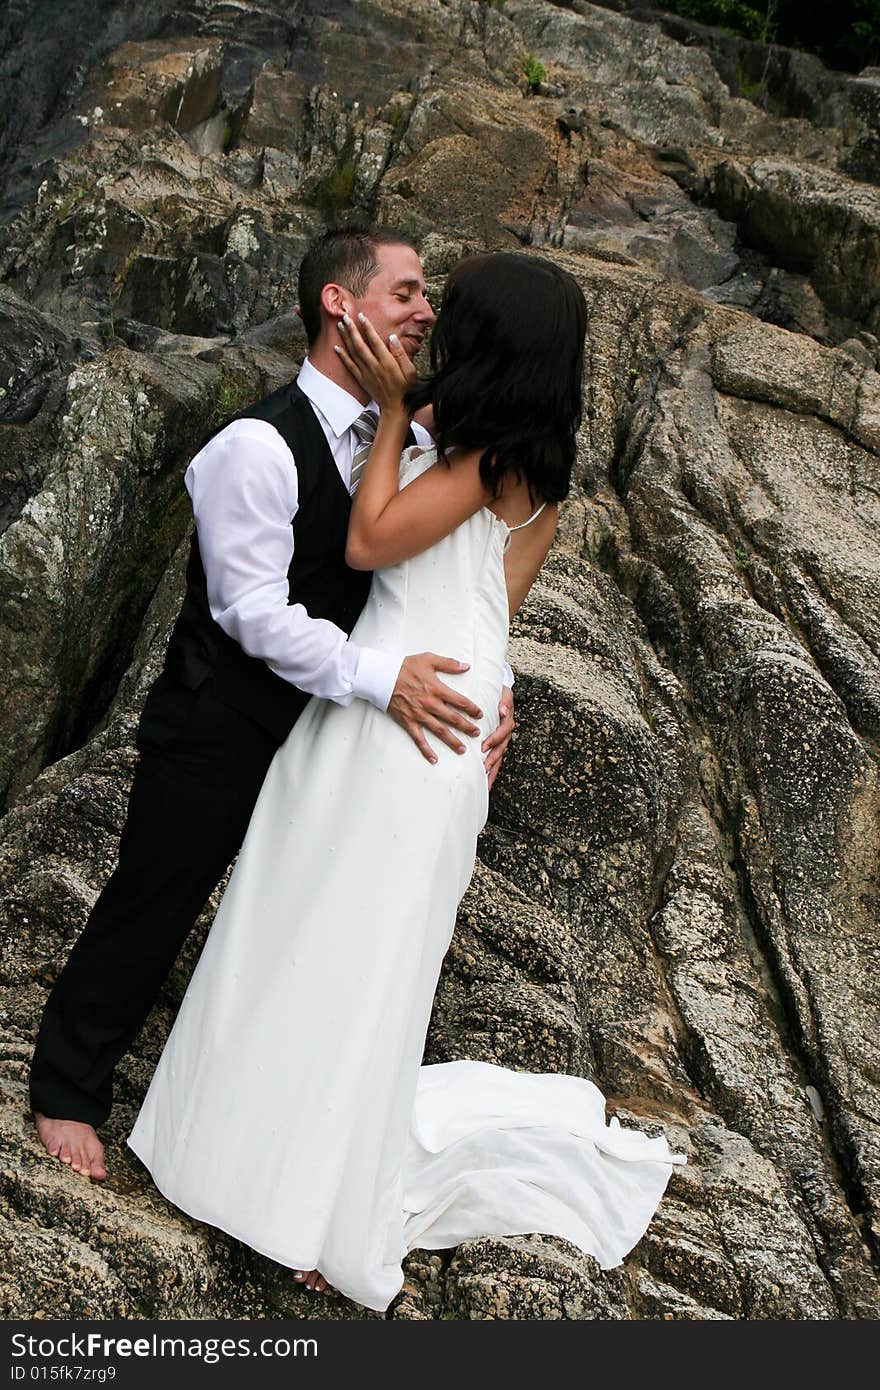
{"x": 73, "y": 1143}
{"x": 313, "y": 1280}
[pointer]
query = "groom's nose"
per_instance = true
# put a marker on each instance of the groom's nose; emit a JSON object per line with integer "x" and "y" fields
{"x": 424, "y": 313}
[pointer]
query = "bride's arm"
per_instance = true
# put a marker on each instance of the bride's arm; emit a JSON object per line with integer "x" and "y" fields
{"x": 388, "y": 524}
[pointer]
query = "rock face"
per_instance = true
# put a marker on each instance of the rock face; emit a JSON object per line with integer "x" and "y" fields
{"x": 677, "y": 891}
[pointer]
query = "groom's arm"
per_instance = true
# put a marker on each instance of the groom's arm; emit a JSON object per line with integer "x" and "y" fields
{"x": 243, "y": 487}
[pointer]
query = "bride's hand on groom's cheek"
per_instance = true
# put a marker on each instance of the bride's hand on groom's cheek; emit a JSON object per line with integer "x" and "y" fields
{"x": 384, "y": 370}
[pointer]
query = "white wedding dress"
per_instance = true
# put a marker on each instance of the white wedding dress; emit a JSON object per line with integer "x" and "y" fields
{"x": 290, "y": 1107}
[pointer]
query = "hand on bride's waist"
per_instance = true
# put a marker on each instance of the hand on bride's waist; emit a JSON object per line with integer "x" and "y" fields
{"x": 423, "y": 701}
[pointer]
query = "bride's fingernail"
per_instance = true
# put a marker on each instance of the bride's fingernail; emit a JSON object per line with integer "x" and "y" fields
{"x": 346, "y": 320}
{"x": 361, "y": 318}
{"x": 393, "y": 338}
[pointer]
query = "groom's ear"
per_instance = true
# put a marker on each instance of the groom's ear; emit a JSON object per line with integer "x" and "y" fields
{"x": 335, "y": 300}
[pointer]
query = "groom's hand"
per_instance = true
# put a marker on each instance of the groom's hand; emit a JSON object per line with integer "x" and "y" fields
{"x": 495, "y": 745}
{"x": 420, "y": 701}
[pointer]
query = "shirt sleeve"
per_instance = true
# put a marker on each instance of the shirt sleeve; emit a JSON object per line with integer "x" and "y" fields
{"x": 243, "y": 487}
{"x": 423, "y": 437}
{"x": 508, "y": 676}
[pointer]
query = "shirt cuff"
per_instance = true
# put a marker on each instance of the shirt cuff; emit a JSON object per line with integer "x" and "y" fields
{"x": 424, "y": 438}
{"x": 508, "y": 676}
{"x": 376, "y": 676}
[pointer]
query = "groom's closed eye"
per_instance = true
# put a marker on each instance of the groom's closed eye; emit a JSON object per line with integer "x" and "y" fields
{"x": 406, "y": 288}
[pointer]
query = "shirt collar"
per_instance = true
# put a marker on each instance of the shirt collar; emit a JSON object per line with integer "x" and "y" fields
{"x": 338, "y": 406}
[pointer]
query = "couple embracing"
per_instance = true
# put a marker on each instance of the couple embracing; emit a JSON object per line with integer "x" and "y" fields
{"x": 344, "y": 551}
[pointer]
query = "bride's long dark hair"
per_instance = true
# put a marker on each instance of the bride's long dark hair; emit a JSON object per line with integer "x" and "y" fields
{"x": 507, "y": 355}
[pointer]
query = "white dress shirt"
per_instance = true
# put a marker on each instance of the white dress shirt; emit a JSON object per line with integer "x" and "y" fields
{"x": 243, "y": 487}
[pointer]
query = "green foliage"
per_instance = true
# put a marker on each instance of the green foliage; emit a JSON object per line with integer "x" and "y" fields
{"x": 534, "y": 69}
{"x": 231, "y": 396}
{"x": 753, "y": 21}
{"x": 864, "y": 36}
{"x": 845, "y": 34}
{"x": 337, "y": 191}
{"x": 752, "y": 91}
{"x": 66, "y": 205}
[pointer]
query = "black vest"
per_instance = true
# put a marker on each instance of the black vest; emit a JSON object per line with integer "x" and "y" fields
{"x": 318, "y": 577}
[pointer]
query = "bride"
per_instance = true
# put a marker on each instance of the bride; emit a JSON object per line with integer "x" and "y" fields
{"x": 290, "y": 1107}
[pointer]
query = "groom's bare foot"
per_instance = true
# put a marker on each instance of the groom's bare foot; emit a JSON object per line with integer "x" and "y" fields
{"x": 312, "y": 1280}
{"x": 73, "y": 1143}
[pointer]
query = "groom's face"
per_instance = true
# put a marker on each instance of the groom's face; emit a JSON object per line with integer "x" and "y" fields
{"x": 395, "y": 301}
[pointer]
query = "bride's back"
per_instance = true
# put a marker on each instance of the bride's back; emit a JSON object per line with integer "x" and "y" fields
{"x": 507, "y": 355}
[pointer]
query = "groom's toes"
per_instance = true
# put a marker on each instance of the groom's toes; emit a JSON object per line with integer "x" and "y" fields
{"x": 49, "y": 1134}
{"x": 64, "y": 1153}
{"x": 94, "y": 1156}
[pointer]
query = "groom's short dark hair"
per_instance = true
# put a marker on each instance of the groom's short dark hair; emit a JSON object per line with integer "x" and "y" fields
{"x": 347, "y": 256}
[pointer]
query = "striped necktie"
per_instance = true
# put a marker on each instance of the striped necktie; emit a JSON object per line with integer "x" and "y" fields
{"x": 365, "y": 431}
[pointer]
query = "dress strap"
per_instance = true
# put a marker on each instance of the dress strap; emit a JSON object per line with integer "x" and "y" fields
{"x": 531, "y": 518}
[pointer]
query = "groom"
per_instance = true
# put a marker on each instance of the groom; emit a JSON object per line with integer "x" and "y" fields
{"x": 268, "y": 605}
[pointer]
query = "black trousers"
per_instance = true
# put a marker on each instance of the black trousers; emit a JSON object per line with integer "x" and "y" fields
{"x": 198, "y": 777}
